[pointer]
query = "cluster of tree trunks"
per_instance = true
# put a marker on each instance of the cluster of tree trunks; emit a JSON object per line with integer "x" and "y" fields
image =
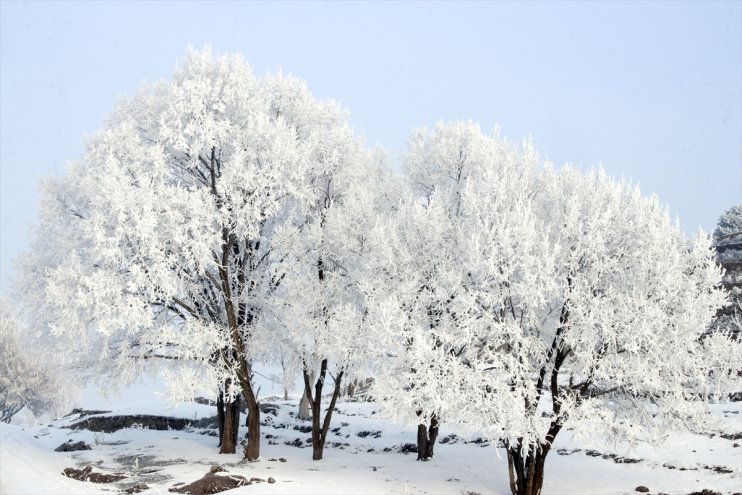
{"x": 526, "y": 468}
{"x": 426, "y": 437}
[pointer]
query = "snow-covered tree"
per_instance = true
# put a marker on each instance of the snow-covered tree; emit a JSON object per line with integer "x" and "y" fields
{"x": 319, "y": 325}
{"x": 415, "y": 250}
{"x": 27, "y": 375}
{"x": 554, "y": 300}
{"x": 158, "y": 242}
{"x": 728, "y": 244}
{"x": 614, "y": 343}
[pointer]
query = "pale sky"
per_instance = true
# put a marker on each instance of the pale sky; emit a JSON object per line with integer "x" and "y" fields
{"x": 653, "y": 91}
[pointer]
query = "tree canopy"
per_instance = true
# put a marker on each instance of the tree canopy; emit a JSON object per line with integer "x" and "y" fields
{"x": 159, "y": 240}
{"x": 531, "y": 300}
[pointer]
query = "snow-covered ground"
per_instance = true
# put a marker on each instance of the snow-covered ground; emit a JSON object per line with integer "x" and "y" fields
{"x": 364, "y": 456}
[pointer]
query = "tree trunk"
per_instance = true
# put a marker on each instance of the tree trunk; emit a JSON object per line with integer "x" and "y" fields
{"x": 220, "y": 415}
{"x": 252, "y": 449}
{"x": 228, "y": 417}
{"x": 319, "y": 432}
{"x": 305, "y": 412}
{"x": 228, "y": 444}
{"x": 432, "y": 435}
{"x": 235, "y": 406}
{"x": 422, "y": 443}
{"x": 526, "y": 469}
{"x": 426, "y": 437}
{"x": 318, "y": 442}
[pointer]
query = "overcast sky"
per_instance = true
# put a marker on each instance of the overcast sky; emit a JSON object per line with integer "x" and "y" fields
{"x": 651, "y": 90}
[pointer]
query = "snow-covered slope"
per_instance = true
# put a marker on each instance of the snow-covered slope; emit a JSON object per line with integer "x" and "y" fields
{"x": 29, "y": 466}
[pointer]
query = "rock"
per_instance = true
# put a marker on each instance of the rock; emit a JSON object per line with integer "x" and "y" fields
{"x": 269, "y": 409}
{"x": 364, "y": 434}
{"x": 68, "y": 446}
{"x": 281, "y": 459}
{"x": 139, "y": 487}
{"x": 408, "y": 448}
{"x": 641, "y": 489}
{"x": 212, "y": 483}
{"x": 271, "y": 481}
{"x": 295, "y": 443}
{"x": 109, "y": 424}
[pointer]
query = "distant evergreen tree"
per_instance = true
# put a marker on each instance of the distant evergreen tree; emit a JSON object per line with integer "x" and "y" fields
{"x": 728, "y": 243}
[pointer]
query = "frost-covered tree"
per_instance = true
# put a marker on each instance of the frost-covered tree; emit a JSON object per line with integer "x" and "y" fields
{"x": 728, "y": 244}
{"x": 401, "y": 305}
{"x": 158, "y": 242}
{"x": 415, "y": 249}
{"x": 27, "y": 375}
{"x": 559, "y": 300}
{"x": 320, "y": 325}
{"x": 612, "y": 341}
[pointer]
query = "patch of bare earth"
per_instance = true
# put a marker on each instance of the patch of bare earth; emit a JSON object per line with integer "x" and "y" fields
{"x": 212, "y": 482}
{"x": 87, "y": 474}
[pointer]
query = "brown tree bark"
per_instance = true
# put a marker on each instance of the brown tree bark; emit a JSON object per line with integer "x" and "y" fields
{"x": 252, "y": 448}
{"x": 228, "y": 444}
{"x": 228, "y": 418}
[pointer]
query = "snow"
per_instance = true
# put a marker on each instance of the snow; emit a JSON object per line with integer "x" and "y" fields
{"x": 163, "y": 458}
{"x": 29, "y": 466}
